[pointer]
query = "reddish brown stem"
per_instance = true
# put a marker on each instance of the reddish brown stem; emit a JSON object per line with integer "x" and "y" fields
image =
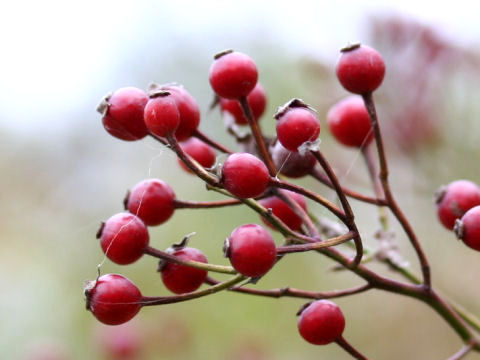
{"x": 201, "y": 136}
{"x": 462, "y": 352}
{"x": 296, "y": 293}
{"x": 311, "y": 195}
{"x": 292, "y": 204}
{"x": 316, "y": 245}
{"x": 257, "y": 134}
{"x": 349, "y": 216}
{"x": 315, "y": 173}
{"x": 350, "y": 349}
{"x": 391, "y": 202}
{"x": 195, "y": 167}
{"x": 182, "y": 204}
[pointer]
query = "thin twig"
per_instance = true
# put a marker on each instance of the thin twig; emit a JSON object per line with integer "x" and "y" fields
{"x": 392, "y": 204}
{"x": 345, "y": 345}
{"x": 207, "y": 140}
{"x": 257, "y": 134}
{"x": 315, "y": 173}
{"x": 162, "y": 300}
{"x": 349, "y": 216}
{"x": 195, "y": 264}
{"x": 296, "y": 293}
{"x": 183, "y": 204}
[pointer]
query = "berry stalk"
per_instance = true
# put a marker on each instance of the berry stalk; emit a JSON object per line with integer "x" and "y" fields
{"x": 391, "y": 202}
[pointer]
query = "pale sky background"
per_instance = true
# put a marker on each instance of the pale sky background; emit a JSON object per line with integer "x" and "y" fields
{"x": 55, "y": 53}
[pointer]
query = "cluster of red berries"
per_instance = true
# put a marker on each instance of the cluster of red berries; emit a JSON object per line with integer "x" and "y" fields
{"x": 458, "y": 209}
{"x": 170, "y": 114}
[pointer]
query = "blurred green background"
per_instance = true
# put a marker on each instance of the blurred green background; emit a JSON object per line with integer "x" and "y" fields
{"x": 62, "y": 173}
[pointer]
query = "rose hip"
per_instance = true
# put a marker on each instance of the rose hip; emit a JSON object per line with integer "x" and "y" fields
{"x": 181, "y": 279}
{"x": 123, "y": 113}
{"x": 251, "y": 250}
{"x": 123, "y": 238}
{"x": 233, "y": 75}
{"x": 199, "y": 151}
{"x": 152, "y": 200}
{"x": 113, "y": 299}
{"x": 282, "y": 210}
{"x": 321, "y": 322}
{"x": 244, "y": 175}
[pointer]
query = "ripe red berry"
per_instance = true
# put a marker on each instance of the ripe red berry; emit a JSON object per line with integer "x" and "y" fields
{"x": 199, "y": 151}
{"x": 161, "y": 114}
{"x": 321, "y": 322}
{"x": 188, "y": 110}
{"x": 455, "y": 199}
{"x": 244, "y": 175}
{"x": 468, "y": 228}
{"x": 152, "y": 200}
{"x": 233, "y": 75}
{"x": 257, "y": 99}
{"x": 292, "y": 164}
{"x": 123, "y": 113}
{"x": 251, "y": 250}
{"x": 181, "y": 279}
{"x": 296, "y": 124}
{"x": 282, "y": 211}
{"x": 360, "y": 69}
{"x": 123, "y": 238}
{"x": 349, "y": 122}
{"x": 113, "y": 299}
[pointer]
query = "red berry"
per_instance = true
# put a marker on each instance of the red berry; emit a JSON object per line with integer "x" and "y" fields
{"x": 455, "y": 199}
{"x": 181, "y": 279}
{"x": 161, "y": 114}
{"x": 244, "y": 175}
{"x": 321, "y": 322}
{"x": 349, "y": 122}
{"x": 123, "y": 238}
{"x": 233, "y": 75}
{"x": 360, "y": 69}
{"x": 468, "y": 228}
{"x": 257, "y": 99}
{"x": 123, "y": 113}
{"x": 282, "y": 211}
{"x": 292, "y": 164}
{"x": 188, "y": 110}
{"x": 296, "y": 124}
{"x": 152, "y": 200}
{"x": 113, "y": 299}
{"x": 199, "y": 151}
{"x": 251, "y": 250}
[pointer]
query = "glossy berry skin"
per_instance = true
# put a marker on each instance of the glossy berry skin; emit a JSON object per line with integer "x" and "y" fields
{"x": 282, "y": 211}
{"x": 152, "y": 200}
{"x": 123, "y": 113}
{"x": 161, "y": 115}
{"x": 349, "y": 122}
{"x": 123, "y": 238}
{"x": 181, "y": 279}
{"x": 321, "y": 322}
{"x": 468, "y": 228}
{"x": 251, "y": 250}
{"x": 360, "y": 69}
{"x": 233, "y": 75}
{"x": 292, "y": 164}
{"x": 188, "y": 110}
{"x": 297, "y": 126}
{"x": 456, "y": 199}
{"x": 113, "y": 299}
{"x": 199, "y": 151}
{"x": 244, "y": 175}
{"x": 257, "y": 99}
